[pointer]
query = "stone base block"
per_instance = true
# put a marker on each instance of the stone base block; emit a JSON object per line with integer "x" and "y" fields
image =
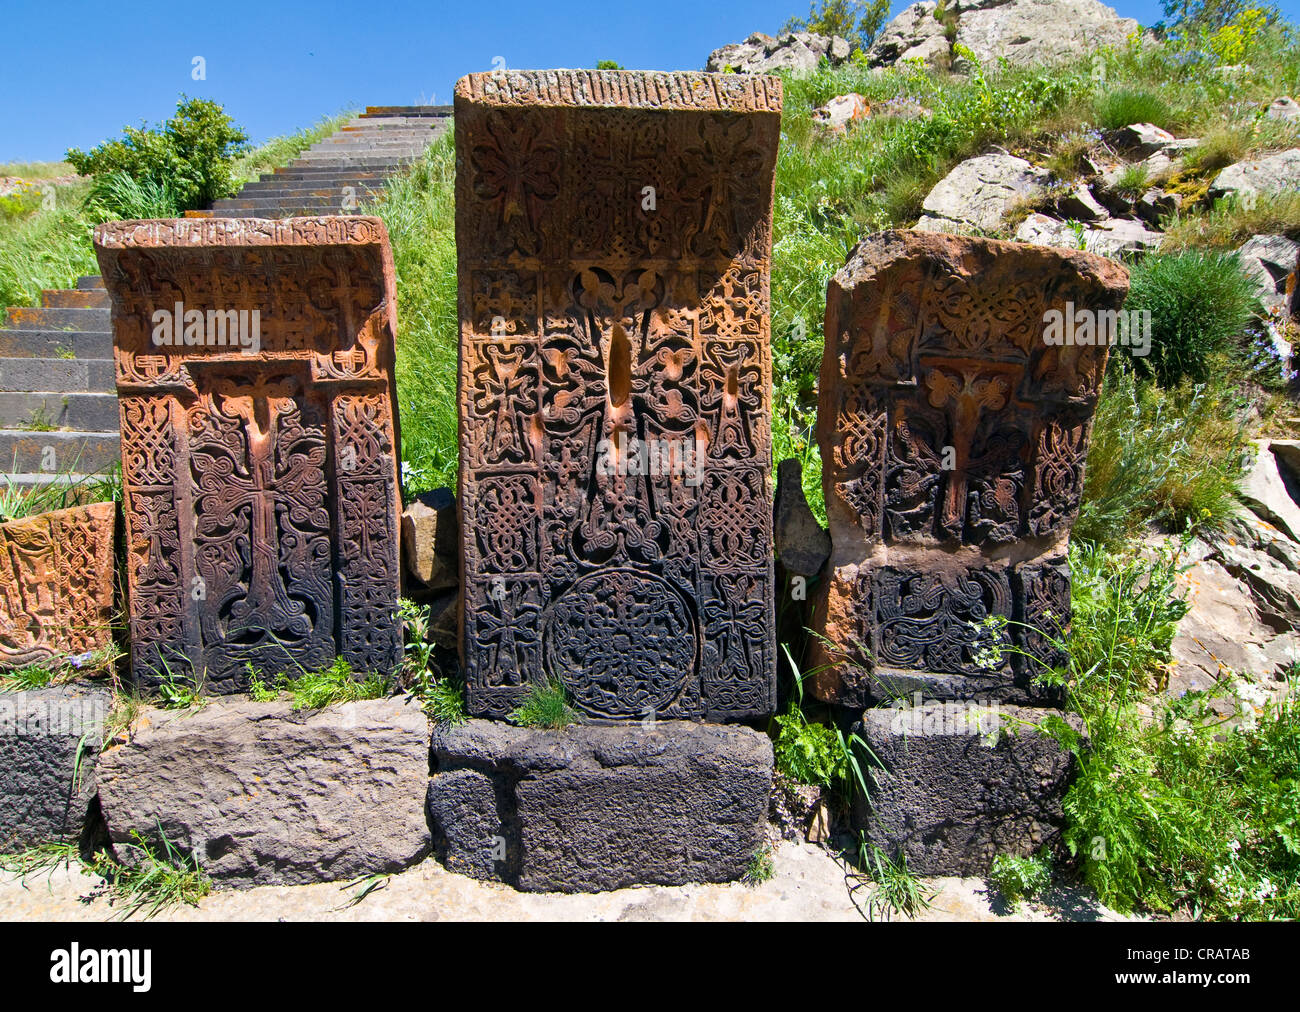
{"x": 590, "y": 808}
{"x": 959, "y": 784}
{"x": 49, "y": 739}
{"x": 263, "y": 795}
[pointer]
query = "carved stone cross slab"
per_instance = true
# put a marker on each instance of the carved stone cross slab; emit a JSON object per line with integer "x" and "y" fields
{"x": 613, "y": 231}
{"x": 259, "y": 444}
{"x": 953, "y": 429}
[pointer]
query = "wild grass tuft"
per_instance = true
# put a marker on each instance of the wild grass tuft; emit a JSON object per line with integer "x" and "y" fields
{"x": 545, "y": 706}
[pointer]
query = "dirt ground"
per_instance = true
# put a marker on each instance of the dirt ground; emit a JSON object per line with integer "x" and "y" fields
{"x": 808, "y": 885}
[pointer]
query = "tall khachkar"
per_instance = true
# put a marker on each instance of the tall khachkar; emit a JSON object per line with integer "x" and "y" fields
{"x": 953, "y": 429}
{"x": 614, "y": 236}
{"x": 255, "y": 373}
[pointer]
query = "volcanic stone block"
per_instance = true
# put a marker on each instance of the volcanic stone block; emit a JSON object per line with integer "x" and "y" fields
{"x": 590, "y": 808}
{"x": 259, "y": 444}
{"x": 957, "y": 392}
{"x": 262, "y": 794}
{"x": 49, "y": 739}
{"x": 56, "y": 584}
{"x": 613, "y": 231}
{"x": 958, "y": 785}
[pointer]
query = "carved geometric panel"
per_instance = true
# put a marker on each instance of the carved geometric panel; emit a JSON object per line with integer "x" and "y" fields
{"x": 614, "y": 239}
{"x": 259, "y": 444}
{"x": 56, "y": 584}
{"x": 953, "y": 426}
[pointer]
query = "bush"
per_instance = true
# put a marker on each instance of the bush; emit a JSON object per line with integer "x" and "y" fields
{"x": 855, "y": 20}
{"x": 1165, "y": 457}
{"x": 1021, "y": 878}
{"x": 1201, "y": 305}
{"x": 192, "y": 155}
{"x": 1119, "y": 108}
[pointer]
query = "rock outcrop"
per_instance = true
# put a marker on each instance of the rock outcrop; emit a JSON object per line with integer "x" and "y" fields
{"x": 800, "y": 52}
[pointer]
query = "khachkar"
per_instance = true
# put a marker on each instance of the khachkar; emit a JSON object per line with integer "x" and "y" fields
{"x": 255, "y": 373}
{"x": 614, "y": 235}
{"x": 56, "y": 584}
{"x": 955, "y": 406}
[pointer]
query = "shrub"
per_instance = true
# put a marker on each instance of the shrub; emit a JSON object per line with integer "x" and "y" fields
{"x": 192, "y": 155}
{"x": 858, "y": 21}
{"x": 1201, "y": 305}
{"x": 1156, "y": 456}
{"x": 1119, "y": 108}
{"x": 1021, "y": 878}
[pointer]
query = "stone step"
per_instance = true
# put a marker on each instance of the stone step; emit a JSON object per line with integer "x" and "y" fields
{"x": 43, "y": 318}
{"x": 56, "y": 452}
{"x": 373, "y": 111}
{"x": 90, "y": 282}
{"x": 87, "y": 375}
{"x": 307, "y": 175}
{"x": 336, "y": 164}
{"x": 315, "y": 190}
{"x": 56, "y": 344}
{"x": 74, "y": 298}
{"x": 84, "y": 412}
{"x": 286, "y": 208}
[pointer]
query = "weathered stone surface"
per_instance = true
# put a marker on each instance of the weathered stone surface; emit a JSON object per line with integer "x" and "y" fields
{"x": 979, "y": 191}
{"x": 913, "y": 34}
{"x": 1032, "y": 32}
{"x": 588, "y": 808}
{"x": 1081, "y": 205}
{"x": 1138, "y": 140}
{"x": 1275, "y": 173}
{"x": 1270, "y": 261}
{"x": 260, "y": 475}
{"x": 1110, "y": 237}
{"x": 836, "y": 115}
{"x": 613, "y": 236}
{"x": 431, "y": 539}
{"x": 261, "y": 794}
{"x": 802, "y": 544}
{"x": 800, "y": 52}
{"x": 49, "y": 739}
{"x": 1284, "y": 108}
{"x": 1266, "y": 491}
{"x": 56, "y": 584}
{"x": 953, "y": 790}
{"x": 953, "y": 437}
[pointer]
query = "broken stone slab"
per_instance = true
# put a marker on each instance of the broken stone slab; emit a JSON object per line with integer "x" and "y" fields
{"x": 1081, "y": 205}
{"x": 589, "y": 808}
{"x": 1140, "y": 139}
{"x": 1156, "y": 205}
{"x": 261, "y": 794}
{"x": 1110, "y": 238}
{"x": 1270, "y": 262}
{"x": 978, "y": 193}
{"x": 835, "y": 116}
{"x": 913, "y": 34}
{"x": 49, "y": 740}
{"x": 1275, "y": 173}
{"x": 800, "y": 52}
{"x": 56, "y": 584}
{"x": 954, "y": 785}
{"x": 1284, "y": 108}
{"x": 802, "y": 544}
{"x": 431, "y": 540}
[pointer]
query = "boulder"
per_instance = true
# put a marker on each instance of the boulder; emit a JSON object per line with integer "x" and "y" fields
{"x": 1270, "y": 261}
{"x": 49, "y": 741}
{"x": 802, "y": 544}
{"x": 589, "y": 808}
{"x": 1275, "y": 173}
{"x": 1156, "y": 204}
{"x": 430, "y": 536}
{"x": 953, "y": 785}
{"x": 1080, "y": 205}
{"x": 1111, "y": 238}
{"x": 261, "y": 794}
{"x": 914, "y": 34}
{"x": 1268, "y": 493}
{"x": 1285, "y": 109}
{"x": 836, "y": 115}
{"x": 1032, "y": 32}
{"x": 978, "y": 192}
{"x": 800, "y": 52}
{"x": 1141, "y": 139}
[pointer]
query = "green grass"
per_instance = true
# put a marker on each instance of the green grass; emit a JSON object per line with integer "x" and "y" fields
{"x": 761, "y": 867}
{"x": 92, "y": 664}
{"x": 545, "y": 706}
{"x": 1123, "y": 106}
{"x": 315, "y": 690}
{"x": 1230, "y": 222}
{"x": 444, "y": 701}
{"x": 1164, "y": 457}
{"x": 155, "y": 878}
{"x": 37, "y": 170}
{"x": 1021, "y": 878}
{"x": 898, "y": 890}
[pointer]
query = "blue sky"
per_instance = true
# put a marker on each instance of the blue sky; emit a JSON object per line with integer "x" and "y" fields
{"x": 75, "y": 73}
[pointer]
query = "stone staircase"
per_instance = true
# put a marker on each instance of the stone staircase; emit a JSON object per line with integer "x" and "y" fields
{"x": 58, "y": 402}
